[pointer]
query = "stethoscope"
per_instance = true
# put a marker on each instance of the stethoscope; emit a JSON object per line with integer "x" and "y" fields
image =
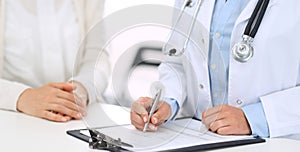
{"x": 242, "y": 51}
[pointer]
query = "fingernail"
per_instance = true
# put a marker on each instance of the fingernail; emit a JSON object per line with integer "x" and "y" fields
{"x": 64, "y": 119}
{"x": 152, "y": 127}
{"x": 145, "y": 119}
{"x": 78, "y": 115}
{"x": 155, "y": 120}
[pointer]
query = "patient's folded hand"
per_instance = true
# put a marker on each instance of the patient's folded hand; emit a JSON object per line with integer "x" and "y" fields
{"x": 54, "y": 101}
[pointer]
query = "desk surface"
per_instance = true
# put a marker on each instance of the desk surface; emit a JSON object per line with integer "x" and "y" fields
{"x": 20, "y": 132}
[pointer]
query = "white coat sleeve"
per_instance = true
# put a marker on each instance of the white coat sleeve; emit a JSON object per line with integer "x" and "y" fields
{"x": 171, "y": 75}
{"x": 282, "y": 111}
{"x": 9, "y": 94}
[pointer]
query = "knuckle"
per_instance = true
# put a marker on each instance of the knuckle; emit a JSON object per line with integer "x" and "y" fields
{"x": 133, "y": 105}
{"x": 52, "y": 90}
{"x": 140, "y": 98}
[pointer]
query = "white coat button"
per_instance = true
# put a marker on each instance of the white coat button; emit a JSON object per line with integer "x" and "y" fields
{"x": 201, "y": 86}
{"x": 203, "y": 41}
{"x": 217, "y": 35}
{"x": 215, "y": 95}
{"x": 213, "y": 66}
{"x": 239, "y": 101}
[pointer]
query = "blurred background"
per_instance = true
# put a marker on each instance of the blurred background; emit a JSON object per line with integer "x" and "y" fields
{"x": 135, "y": 55}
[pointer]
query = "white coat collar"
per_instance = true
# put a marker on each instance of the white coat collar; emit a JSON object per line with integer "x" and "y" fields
{"x": 208, "y": 7}
{"x": 247, "y": 12}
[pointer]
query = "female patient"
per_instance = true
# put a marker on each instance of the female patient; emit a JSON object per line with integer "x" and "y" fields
{"x": 39, "y": 40}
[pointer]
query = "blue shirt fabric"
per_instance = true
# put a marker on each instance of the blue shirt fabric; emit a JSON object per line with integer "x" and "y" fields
{"x": 224, "y": 17}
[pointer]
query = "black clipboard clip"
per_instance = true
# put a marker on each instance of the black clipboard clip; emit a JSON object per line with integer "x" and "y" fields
{"x": 101, "y": 141}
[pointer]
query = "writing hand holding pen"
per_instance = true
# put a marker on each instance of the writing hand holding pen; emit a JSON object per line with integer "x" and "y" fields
{"x": 139, "y": 115}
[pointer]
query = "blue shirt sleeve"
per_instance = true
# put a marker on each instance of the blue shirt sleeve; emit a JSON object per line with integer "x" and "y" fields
{"x": 257, "y": 119}
{"x": 174, "y": 107}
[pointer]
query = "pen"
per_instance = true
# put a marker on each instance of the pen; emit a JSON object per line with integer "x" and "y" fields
{"x": 153, "y": 108}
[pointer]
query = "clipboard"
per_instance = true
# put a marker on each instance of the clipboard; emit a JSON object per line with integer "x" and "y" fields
{"x": 209, "y": 146}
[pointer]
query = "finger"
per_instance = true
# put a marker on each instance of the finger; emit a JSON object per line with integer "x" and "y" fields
{"x": 216, "y": 125}
{"x": 161, "y": 122}
{"x": 64, "y": 110}
{"x": 212, "y": 111}
{"x": 63, "y": 86}
{"x": 140, "y": 110}
{"x": 54, "y": 117}
{"x": 212, "y": 118}
{"x": 225, "y": 131}
{"x": 162, "y": 114}
{"x": 146, "y": 102}
{"x": 70, "y": 105}
{"x": 67, "y": 117}
{"x": 152, "y": 127}
{"x": 66, "y": 95}
{"x": 137, "y": 121}
{"x": 79, "y": 101}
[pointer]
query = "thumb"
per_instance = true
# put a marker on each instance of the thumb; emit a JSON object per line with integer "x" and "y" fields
{"x": 162, "y": 114}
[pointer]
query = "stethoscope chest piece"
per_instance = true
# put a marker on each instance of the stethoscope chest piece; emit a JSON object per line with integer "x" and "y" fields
{"x": 243, "y": 51}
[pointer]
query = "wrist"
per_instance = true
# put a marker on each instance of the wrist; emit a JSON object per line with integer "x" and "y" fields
{"x": 22, "y": 98}
{"x": 80, "y": 91}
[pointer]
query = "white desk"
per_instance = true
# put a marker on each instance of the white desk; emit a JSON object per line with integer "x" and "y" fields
{"x": 19, "y": 132}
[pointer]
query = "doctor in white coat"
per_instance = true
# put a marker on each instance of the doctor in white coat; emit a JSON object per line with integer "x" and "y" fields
{"x": 263, "y": 94}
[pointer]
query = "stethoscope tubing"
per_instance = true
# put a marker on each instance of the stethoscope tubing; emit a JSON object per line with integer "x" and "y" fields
{"x": 256, "y": 18}
{"x": 248, "y": 36}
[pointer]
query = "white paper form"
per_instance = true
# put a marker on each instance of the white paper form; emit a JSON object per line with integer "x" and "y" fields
{"x": 177, "y": 134}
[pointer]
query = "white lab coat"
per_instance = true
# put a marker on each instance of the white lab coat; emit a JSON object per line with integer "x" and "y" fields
{"x": 272, "y": 76}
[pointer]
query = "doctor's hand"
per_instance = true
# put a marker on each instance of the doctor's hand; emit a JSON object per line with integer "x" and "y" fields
{"x": 139, "y": 114}
{"x": 54, "y": 101}
{"x": 226, "y": 120}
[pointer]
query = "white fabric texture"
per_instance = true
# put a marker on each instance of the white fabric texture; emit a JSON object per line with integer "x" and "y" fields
{"x": 33, "y": 47}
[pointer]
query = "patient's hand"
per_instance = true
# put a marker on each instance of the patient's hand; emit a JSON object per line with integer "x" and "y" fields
{"x": 54, "y": 101}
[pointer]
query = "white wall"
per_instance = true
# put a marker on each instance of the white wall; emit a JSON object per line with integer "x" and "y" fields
{"x": 115, "y": 5}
